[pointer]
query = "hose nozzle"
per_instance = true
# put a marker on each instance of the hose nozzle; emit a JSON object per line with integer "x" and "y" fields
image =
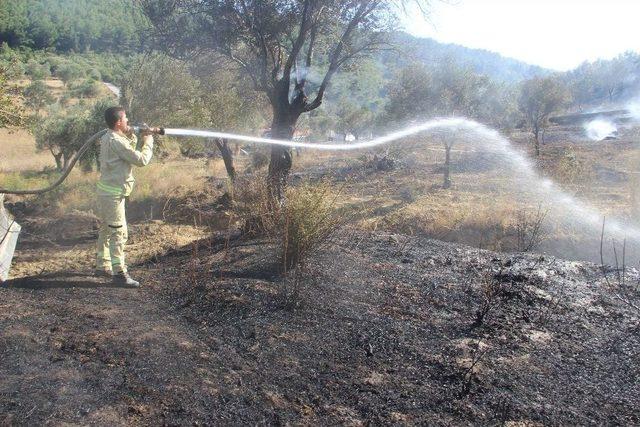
{"x": 146, "y": 129}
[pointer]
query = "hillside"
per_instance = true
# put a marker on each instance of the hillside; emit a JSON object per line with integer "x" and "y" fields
{"x": 491, "y": 64}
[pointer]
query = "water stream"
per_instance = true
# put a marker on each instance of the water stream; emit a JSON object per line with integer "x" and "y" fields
{"x": 569, "y": 209}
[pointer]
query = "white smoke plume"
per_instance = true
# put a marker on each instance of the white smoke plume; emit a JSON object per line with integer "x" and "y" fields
{"x": 599, "y": 129}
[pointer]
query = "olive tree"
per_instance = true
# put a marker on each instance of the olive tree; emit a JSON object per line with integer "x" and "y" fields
{"x": 448, "y": 89}
{"x": 278, "y": 46}
{"x": 37, "y": 96}
{"x": 206, "y": 93}
{"x": 64, "y": 131}
{"x": 539, "y": 98}
{"x": 10, "y": 112}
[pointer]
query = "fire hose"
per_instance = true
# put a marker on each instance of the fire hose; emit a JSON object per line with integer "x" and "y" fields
{"x": 81, "y": 152}
{"x": 8, "y": 225}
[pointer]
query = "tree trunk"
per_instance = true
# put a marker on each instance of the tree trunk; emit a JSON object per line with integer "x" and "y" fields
{"x": 58, "y": 158}
{"x": 282, "y": 127}
{"x": 227, "y": 157}
{"x": 536, "y": 140}
{"x": 279, "y": 168}
{"x": 447, "y": 165}
{"x": 66, "y": 160}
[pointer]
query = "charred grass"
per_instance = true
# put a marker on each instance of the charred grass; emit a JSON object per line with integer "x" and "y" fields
{"x": 395, "y": 329}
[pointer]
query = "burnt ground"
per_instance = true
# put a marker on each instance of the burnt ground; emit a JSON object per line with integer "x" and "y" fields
{"x": 390, "y": 329}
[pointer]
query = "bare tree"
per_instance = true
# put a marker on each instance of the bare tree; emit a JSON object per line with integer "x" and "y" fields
{"x": 290, "y": 49}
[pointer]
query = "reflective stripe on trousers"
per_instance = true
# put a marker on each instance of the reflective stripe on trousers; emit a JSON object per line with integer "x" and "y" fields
{"x": 113, "y": 233}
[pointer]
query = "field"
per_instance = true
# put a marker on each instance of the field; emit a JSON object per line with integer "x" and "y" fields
{"x": 420, "y": 309}
{"x": 396, "y": 188}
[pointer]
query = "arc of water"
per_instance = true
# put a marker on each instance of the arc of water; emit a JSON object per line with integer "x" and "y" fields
{"x": 394, "y": 136}
{"x": 492, "y": 140}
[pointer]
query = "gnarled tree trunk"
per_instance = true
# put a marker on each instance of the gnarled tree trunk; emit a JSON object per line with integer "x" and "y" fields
{"x": 227, "y": 158}
{"x": 285, "y": 117}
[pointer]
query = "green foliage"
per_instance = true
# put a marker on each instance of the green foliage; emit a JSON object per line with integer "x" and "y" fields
{"x": 410, "y": 93}
{"x": 37, "y": 96}
{"x": 539, "y": 97}
{"x": 72, "y": 25}
{"x": 419, "y": 92}
{"x": 353, "y": 102}
{"x": 168, "y": 92}
{"x": 160, "y": 91}
{"x": 37, "y": 71}
{"x": 69, "y": 72}
{"x": 64, "y": 131}
{"x": 97, "y": 66}
{"x": 86, "y": 89}
{"x": 10, "y": 112}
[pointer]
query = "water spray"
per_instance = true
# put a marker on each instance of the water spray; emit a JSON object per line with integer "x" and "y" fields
{"x": 579, "y": 212}
{"x": 492, "y": 140}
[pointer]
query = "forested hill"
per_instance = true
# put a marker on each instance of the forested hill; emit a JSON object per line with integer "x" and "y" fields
{"x": 115, "y": 25}
{"x": 491, "y": 64}
{"x": 71, "y": 25}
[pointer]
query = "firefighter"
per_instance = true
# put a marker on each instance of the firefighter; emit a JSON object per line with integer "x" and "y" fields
{"x": 118, "y": 155}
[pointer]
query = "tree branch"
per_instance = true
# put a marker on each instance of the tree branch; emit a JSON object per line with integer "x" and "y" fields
{"x": 297, "y": 45}
{"x": 365, "y": 8}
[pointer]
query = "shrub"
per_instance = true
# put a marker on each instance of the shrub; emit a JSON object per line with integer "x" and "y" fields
{"x": 37, "y": 71}
{"x": 37, "y": 96}
{"x": 69, "y": 72}
{"x": 570, "y": 169}
{"x": 252, "y": 205}
{"x": 300, "y": 226}
{"x": 87, "y": 88}
{"x": 94, "y": 74}
{"x": 529, "y": 229}
{"x": 309, "y": 218}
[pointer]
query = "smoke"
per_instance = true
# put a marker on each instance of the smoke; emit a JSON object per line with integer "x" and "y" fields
{"x": 634, "y": 109}
{"x": 599, "y": 129}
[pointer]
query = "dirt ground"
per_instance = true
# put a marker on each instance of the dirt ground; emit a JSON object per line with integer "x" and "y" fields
{"x": 390, "y": 330}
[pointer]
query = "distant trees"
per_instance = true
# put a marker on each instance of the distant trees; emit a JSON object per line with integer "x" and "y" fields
{"x": 355, "y": 100}
{"x": 37, "y": 96}
{"x": 539, "y": 98}
{"x": 64, "y": 131}
{"x": 10, "y": 112}
{"x": 449, "y": 89}
{"x": 613, "y": 81}
{"x": 72, "y": 25}
{"x": 282, "y": 47}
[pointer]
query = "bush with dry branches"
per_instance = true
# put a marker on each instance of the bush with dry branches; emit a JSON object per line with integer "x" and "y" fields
{"x": 299, "y": 227}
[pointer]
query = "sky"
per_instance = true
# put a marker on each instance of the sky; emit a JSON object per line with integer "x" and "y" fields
{"x": 555, "y": 34}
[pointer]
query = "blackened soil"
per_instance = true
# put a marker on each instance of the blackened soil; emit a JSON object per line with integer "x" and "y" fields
{"x": 390, "y": 330}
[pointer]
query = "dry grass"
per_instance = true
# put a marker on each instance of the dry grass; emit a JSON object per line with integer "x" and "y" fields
{"x": 18, "y": 153}
{"x": 484, "y": 206}
{"x": 21, "y": 167}
{"x": 481, "y": 208}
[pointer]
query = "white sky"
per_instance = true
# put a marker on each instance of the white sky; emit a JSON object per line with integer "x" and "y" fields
{"x": 556, "y": 34}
